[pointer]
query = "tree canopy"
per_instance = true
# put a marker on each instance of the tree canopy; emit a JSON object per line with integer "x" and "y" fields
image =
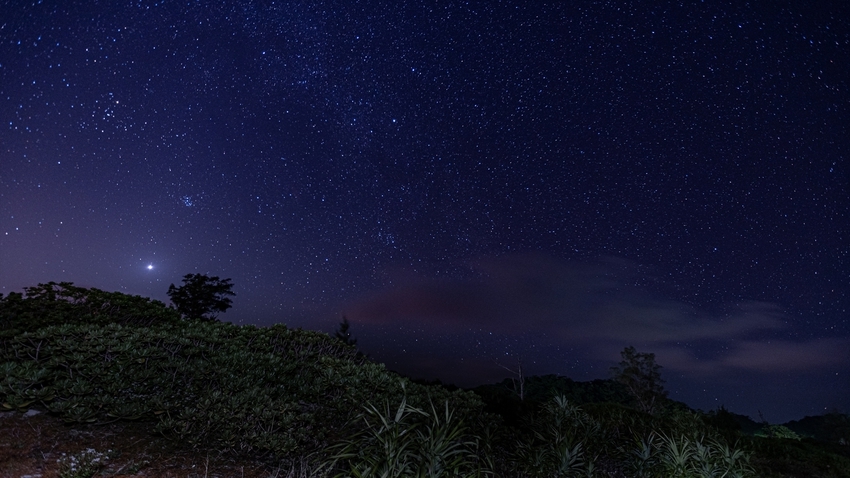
{"x": 201, "y": 296}
{"x": 642, "y": 377}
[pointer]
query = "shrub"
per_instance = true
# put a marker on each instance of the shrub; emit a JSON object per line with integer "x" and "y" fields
{"x": 63, "y": 303}
{"x": 240, "y": 389}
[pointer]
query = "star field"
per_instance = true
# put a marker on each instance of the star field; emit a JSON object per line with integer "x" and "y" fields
{"x": 467, "y": 183}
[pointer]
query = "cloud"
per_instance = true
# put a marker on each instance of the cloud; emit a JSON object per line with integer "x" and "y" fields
{"x": 598, "y": 307}
{"x": 647, "y": 320}
{"x": 783, "y": 355}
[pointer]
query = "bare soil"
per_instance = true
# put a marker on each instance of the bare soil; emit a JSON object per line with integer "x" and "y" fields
{"x": 32, "y": 445}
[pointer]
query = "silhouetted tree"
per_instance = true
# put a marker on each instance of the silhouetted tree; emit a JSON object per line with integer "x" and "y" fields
{"x": 519, "y": 382}
{"x": 344, "y": 334}
{"x": 639, "y": 373}
{"x": 201, "y": 296}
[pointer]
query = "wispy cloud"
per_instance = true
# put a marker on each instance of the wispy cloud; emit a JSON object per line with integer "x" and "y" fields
{"x": 600, "y": 307}
{"x": 784, "y": 355}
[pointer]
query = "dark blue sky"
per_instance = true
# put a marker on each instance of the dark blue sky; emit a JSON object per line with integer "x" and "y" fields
{"x": 468, "y": 182}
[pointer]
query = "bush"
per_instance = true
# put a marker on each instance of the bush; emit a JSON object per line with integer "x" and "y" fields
{"x": 63, "y": 304}
{"x": 240, "y": 389}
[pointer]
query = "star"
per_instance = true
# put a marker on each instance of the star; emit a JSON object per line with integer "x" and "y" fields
{"x": 433, "y": 190}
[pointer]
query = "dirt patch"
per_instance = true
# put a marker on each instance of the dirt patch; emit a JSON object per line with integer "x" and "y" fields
{"x": 38, "y": 445}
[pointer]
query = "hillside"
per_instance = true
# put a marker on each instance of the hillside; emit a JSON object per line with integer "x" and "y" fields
{"x": 276, "y": 396}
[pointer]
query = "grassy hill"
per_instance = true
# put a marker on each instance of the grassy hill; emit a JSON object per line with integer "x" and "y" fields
{"x": 90, "y": 357}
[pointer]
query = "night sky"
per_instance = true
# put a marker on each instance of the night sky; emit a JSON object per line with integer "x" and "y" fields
{"x": 472, "y": 184}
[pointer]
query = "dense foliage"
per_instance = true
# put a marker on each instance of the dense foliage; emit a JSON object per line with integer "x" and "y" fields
{"x": 64, "y": 303}
{"x": 90, "y": 356}
{"x": 242, "y": 389}
{"x": 201, "y": 296}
